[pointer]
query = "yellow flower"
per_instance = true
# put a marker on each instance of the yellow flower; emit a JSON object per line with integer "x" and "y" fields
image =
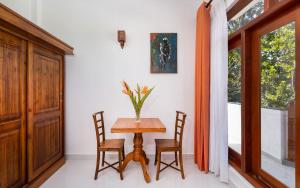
{"x": 145, "y": 90}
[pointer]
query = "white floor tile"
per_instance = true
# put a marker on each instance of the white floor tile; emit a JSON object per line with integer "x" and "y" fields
{"x": 80, "y": 173}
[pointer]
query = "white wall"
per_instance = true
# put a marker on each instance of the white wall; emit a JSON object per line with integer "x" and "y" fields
{"x": 95, "y": 72}
{"x": 29, "y": 9}
{"x": 234, "y": 126}
{"x": 273, "y": 129}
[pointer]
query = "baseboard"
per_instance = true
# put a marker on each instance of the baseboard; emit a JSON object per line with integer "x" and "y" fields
{"x": 236, "y": 180}
{"x": 47, "y": 174}
{"x": 82, "y": 156}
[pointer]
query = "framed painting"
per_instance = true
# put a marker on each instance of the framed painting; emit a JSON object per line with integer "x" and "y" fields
{"x": 163, "y": 52}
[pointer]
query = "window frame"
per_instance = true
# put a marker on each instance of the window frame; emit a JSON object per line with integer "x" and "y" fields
{"x": 235, "y": 157}
{"x": 276, "y": 14}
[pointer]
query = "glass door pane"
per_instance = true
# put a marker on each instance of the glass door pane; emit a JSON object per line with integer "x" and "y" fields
{"x": 277, "y": 103}
{"x": 234, "y": 99}
{"x": 246, "y": 15}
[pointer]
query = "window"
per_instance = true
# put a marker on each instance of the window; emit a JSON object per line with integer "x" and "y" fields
{"x": 263, "y": 90}
{"x": 234, "y": 99}
{"x": 251, "y": 11}
{"x": 277, "y": 103}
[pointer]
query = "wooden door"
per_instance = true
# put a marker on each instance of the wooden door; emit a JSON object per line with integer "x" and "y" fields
{"x": 45, "y": 109}
{"x": 12, "y": 111}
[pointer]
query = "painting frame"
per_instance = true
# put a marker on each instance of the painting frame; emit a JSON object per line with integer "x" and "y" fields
{"x": 163, "y": 53}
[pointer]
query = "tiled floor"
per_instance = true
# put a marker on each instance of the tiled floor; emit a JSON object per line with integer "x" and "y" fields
{"x": 282, "y": 172}
{"x": 80, "y": 173}
{"x": 285, "y": 174}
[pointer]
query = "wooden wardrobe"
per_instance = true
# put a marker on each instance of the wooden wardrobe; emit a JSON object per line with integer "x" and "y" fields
{"x": 31, "y": 101}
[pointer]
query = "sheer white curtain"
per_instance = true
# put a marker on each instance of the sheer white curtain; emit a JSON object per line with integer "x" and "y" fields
{"x": 218, "y": 151}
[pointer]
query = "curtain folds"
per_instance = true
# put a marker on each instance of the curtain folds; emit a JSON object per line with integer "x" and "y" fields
{"x": 202, "y": 89}
{"x": 218, "y": 162}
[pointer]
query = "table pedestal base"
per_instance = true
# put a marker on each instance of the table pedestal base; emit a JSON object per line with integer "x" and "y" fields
{"x": 138, "y": 155}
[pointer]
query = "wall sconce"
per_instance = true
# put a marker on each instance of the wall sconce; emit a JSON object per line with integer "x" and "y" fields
{"x": 121, "y": 38}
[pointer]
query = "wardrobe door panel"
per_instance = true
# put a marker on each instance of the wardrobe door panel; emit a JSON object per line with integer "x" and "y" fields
{"x": 47, "y": 137}
{"x": 10, "y": 150}
{"x": 45, "y": 85}
{"x": 12, "y": 111}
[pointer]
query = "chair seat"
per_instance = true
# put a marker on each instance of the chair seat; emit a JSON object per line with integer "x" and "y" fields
{"x": 166, "y": 143}
{"x": 112, "y": 144}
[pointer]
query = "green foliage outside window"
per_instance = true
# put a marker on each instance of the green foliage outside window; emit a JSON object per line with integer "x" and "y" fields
{"x": 277, "y": 63}
{"x": 277, "y": 69}
{"x": 234, "y": 76}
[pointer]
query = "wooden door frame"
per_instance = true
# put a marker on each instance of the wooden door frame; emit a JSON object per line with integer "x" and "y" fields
{"x": 250, "y": 134}
{"x": 267, "y": 27}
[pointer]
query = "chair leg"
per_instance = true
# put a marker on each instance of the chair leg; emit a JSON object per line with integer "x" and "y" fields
{"x": 181, "y": 164}
{"x": 158, "y": 165}
{"x": 123, "y": 153}
{"x": 155, "y": 161}
{"x": 97, "y": 165}
{"x": 176, "y": 158}
{"x": 103, "y": 157}
{"x": 120, "y": 164}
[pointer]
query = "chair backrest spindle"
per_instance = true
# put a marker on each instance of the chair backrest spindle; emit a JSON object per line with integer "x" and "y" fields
{"x": 179, "y": 126}
{"x": 99, "y": 126}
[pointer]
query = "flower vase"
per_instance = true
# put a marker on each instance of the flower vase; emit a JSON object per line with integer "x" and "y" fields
{"x": 138, "y": 116}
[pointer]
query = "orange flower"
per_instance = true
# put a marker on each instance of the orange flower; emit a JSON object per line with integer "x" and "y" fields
{"x": 145, "y": 90}
{"x": 129, "y": 93}
{"x": 125, "y": 85}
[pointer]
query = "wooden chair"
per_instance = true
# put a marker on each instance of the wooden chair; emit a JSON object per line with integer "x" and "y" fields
{"x": 104, "y": 145}
{"x": 171, "y": 145}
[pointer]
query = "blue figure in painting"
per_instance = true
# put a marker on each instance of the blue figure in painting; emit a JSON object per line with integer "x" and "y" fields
{"x": 165, "y": 53}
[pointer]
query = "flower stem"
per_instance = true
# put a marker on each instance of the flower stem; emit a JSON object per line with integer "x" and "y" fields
{"x": 138, "y": 114}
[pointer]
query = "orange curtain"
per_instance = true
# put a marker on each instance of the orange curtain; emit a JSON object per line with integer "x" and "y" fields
{"x": 202, "y": 89}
